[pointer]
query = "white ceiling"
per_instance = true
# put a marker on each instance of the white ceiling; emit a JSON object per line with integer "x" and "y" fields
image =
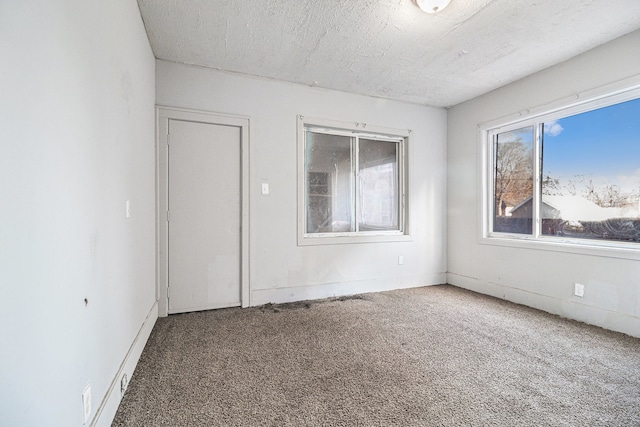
{"x": 385, "y": 48}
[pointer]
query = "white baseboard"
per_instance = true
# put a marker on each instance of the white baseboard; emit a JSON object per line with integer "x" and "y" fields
{"x": 329, "y": 290}
{"x": 109, "y": 405}
{"x": 567, "y": 307}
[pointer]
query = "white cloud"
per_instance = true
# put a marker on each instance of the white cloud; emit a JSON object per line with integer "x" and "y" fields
{"x": 553, "y": 128}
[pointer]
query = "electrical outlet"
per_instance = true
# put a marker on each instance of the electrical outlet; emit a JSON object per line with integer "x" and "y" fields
{"x": 123, "y": 384}
{"x": 400, "y": 260}
{"x": 578, "y": 290}
{"x": 86, "y": 404}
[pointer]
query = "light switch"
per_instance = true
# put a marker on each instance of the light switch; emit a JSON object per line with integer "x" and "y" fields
{"x": 265, "y": 188}
{"x": 127, "y": 209}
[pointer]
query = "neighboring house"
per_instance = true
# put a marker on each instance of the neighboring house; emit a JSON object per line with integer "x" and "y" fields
{"x": 570, "y": 208}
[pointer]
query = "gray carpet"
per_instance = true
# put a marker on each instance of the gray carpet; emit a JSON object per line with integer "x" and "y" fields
{"x": 434, "y": 356}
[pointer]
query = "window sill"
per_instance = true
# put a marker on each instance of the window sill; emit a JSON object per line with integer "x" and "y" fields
{"x": 339, "y": 240}
{"x": 571, "y": 246}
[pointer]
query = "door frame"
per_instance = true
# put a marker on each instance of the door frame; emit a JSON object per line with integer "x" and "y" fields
{"x": 163, "y": 115}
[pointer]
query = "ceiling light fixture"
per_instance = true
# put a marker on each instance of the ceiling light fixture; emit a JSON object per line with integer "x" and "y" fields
{"x": 432, "y": 6}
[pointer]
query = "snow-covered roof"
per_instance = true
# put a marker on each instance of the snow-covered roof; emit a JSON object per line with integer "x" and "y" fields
{"x": 576, "y": 208}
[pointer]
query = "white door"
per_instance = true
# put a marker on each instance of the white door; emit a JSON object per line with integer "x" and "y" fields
{"x": 204, "y": 218}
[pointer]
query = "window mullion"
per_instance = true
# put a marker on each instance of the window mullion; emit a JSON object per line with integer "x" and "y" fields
{"x": 537, "y": 183}
{"x": 491, "y": 181}
{"x": 399, "y": 184}
{"x": 355, "y": 206}
{"x": 491, "y": 203}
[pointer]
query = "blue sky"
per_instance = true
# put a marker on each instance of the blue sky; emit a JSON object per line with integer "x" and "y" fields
{"x": 603, "y": 145}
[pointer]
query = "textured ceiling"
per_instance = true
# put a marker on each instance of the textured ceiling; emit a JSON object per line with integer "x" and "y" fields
{"x": 385, "y": 48}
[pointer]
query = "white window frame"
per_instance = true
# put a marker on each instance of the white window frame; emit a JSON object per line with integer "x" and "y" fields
{"x": 615, "y": 93}
{"x": 362, "y": 130}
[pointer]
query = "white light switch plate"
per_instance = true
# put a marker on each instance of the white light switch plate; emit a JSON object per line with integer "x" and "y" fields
{"x": 265, "y": 188}
{"x": 578, "y": 290}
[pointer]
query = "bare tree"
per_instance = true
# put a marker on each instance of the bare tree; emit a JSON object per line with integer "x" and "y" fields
{"x": 551, "y": 186}
{"x": 513, "y": 174}
{"x": 607, "y": 195}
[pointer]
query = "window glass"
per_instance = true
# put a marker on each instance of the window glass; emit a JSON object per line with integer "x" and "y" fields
{"x": 353, "y": 184}
{"x": 513, "y": 181}
{"x": 329, "y": 183}
{"x": 378, "y": 185}
{"x": 591, "y": 174}
{"x": 588, "y": 174}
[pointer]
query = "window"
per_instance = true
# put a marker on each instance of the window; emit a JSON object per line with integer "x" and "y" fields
{"x": 513, "y": 180}
{"x": 353, "y": 182}
{"x": 571, "y": 176}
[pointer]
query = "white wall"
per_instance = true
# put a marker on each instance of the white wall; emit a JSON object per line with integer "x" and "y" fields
{"x": 538, "y": 278}
{"x": 280, "y": 270}
{"x": 77, "y": 120}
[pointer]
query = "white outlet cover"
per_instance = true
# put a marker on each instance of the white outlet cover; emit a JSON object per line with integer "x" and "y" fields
{"x": 578, "y": 290}
{"x": 86, "y": 404}
{"x": 123, "y": 384}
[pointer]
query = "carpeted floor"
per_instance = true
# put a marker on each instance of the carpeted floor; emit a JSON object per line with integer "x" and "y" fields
{"x": 433, "y": 356}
